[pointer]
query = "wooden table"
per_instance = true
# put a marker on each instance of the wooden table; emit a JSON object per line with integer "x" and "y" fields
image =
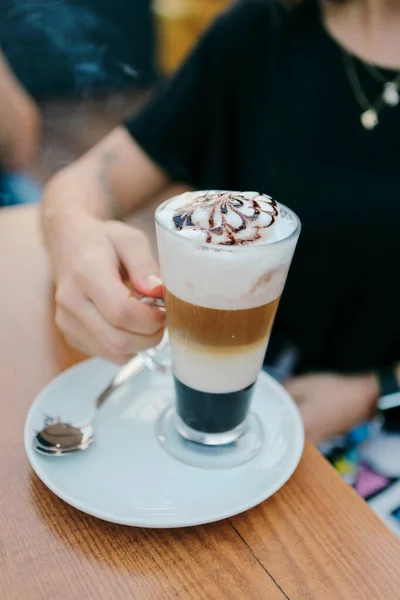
{"x": 315, "y": 539}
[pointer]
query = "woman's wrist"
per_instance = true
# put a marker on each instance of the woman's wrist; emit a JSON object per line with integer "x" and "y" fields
{"x": 73, "y": 194}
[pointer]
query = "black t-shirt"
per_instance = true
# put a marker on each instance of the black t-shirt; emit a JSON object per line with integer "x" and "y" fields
{"x": 265, "y": 103}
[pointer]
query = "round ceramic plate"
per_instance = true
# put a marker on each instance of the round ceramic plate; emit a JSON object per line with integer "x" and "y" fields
{"x": 127, "y": 477}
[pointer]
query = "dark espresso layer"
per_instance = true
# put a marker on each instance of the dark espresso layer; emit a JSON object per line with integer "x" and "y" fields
{"x": 212, "y": 413}
{"x": 223, "y": 330}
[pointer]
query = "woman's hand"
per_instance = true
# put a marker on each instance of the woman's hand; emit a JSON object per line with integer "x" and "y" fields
{"x": 95, "y": 309}
{"x": 97, "y": 261}
{"x": 332, "y": 404}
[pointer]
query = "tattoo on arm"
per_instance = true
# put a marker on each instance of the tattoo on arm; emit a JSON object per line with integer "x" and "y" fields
{"x": 108, "y": 158}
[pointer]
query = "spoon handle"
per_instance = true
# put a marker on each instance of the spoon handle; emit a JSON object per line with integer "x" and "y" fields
{"x": 127, "y": 372}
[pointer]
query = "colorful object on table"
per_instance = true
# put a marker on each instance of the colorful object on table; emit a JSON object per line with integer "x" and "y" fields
{"x": 369, "y": 482}
{"x": 396, "y": 514}
{"x": 382, "y": 493}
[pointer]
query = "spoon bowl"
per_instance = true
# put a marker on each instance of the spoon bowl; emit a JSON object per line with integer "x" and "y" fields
{"x": 60, "y": 438}
{"x": 54, "y": 451}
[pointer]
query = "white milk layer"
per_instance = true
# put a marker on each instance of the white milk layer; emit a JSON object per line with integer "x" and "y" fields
{"x": 216, "y": 373}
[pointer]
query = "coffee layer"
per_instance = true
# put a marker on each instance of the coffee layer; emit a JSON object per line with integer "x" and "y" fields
{"x": 223, "y": 330}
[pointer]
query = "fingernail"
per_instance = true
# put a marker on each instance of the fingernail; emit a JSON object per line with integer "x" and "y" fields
{"x": 153, "y": 282}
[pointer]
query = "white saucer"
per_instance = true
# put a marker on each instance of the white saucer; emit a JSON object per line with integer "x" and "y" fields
{"x": 126, "y": 477}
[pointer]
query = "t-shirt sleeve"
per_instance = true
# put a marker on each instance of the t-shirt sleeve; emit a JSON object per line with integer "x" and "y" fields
{"x": 185, "y": 127}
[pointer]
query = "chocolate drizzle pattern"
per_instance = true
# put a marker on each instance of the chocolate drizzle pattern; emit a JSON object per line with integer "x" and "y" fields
{"x": 229, "y": 216}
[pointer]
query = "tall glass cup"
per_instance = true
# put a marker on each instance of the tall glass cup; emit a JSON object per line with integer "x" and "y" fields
{"x": 221, "y": 302}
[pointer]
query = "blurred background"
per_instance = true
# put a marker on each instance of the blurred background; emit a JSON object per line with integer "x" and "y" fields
{"x": 88, "y": 64}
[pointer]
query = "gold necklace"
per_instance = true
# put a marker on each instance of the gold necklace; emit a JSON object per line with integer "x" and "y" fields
{"x": 388, "y": 97}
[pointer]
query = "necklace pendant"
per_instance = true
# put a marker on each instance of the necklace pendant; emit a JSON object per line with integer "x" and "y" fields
{"x": 390, "y": 94}
{"x": 369, "y": 119}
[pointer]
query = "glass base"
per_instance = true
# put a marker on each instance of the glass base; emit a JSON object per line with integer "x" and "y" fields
{"x": 209, "y": 439}
{"x": 225, "y": 455}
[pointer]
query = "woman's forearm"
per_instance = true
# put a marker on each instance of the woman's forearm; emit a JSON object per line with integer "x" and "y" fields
{"x": 108, "y": 182}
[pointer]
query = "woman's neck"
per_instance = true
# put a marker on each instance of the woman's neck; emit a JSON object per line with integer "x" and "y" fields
{"x": 375, "y": 14}
{"x": 367, "y": 28}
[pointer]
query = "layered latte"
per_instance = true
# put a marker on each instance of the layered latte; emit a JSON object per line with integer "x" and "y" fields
{"x": 224, "y": 259}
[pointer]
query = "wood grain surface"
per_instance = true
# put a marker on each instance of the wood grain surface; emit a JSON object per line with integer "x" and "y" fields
{"x": 315, "y": 539}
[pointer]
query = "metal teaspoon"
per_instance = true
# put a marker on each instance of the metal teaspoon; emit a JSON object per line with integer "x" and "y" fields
{"x": 60, "y": 439}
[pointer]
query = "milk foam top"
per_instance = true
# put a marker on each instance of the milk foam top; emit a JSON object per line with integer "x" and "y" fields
{"x": 225, "y": 218}
{"x": 225, "y": 250}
